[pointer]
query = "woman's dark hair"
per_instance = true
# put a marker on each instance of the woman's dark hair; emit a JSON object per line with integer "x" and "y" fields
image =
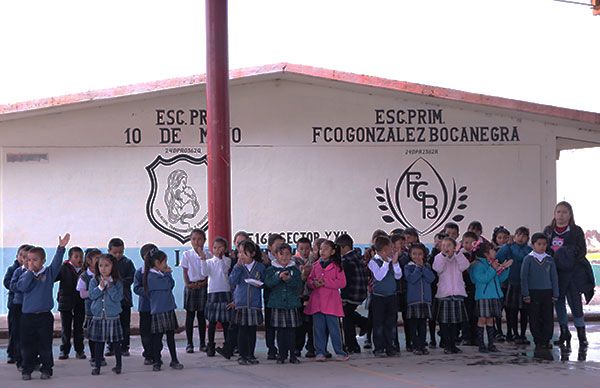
{"x": 251, "y": 249}
{"x": 569, "y": 208}
{"x": 89, "y": 253}
{"x": 498, "y": 230}
{"x": 418, "y": 246}
{"x": 483, "y": 248}
{"x": 114, "y": 271}
{"x": 152, "y": 257}
{"x": 336, "y": 258}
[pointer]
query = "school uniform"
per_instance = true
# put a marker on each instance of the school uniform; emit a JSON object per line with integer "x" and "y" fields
{"x": 418, "y": 280}
{"x": 218, "y": 298}
{"x": 71, "y": 308}
{"x": 539, "y": 281}
{"x": 126, "y": 274}
{"x": 37, "y": 320}
{"x": 194, "y": 299}
{"x": 105, "y": 326}
{"x": 83, "y": 286}
{"x": 248, "y": 306}
{"x": 469, "y": 326}
{"x": 162, "y": 310}
{"x": 144, "y": 314}
{"x": 353, "y": 295}
{"x": 384, "y": 303}
{"x": 17, "y": 312}
{"x": 11, "y": 348}
{"x": 270, "y": 332}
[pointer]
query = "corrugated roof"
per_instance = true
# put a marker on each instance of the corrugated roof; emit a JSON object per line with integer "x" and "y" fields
{"x": 309, "y": 71}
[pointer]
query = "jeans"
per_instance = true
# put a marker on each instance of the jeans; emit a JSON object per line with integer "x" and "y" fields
{"x": 323, "y": 323}
{"x": 573, "y": 297}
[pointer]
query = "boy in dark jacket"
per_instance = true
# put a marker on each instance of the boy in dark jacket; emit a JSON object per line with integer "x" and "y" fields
{"x": 70, "y": 305}
{"x": 355, "y": 291}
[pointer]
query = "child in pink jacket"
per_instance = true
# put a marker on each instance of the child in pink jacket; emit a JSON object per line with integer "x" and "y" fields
{"x": 451, "y": 292}
{"x": 325, "y": 303}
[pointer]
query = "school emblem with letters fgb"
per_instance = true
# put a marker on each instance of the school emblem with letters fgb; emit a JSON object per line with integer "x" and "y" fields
{"x": 421, "y": 199}
{"x": 177, "y": 202}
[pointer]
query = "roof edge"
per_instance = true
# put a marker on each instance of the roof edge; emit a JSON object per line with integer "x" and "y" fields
{"x": 327, "y": 74}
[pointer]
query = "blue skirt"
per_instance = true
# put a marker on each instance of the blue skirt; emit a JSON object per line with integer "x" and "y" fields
{"x": 105, "y": 330}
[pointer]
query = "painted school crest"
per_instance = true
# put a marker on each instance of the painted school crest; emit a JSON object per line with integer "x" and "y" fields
{"x": 177, "y": 200}
{"x": 421, "y": 198}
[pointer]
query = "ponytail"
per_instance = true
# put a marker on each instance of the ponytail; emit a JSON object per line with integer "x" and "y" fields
{"x": 152, "y": 256}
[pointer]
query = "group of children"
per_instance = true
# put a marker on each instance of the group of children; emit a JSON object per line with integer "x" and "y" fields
{"x": 298, "y": 296}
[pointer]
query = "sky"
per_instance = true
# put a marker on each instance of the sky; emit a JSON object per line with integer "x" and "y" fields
{"x": 541, "y": 51}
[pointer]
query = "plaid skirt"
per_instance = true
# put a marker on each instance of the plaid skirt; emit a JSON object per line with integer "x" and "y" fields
{"x": 194, "y": 299}
{"x": 216, "y": 307}
{"x": 245, "y": 316}
{"x": 418, "y": 311}
{"x": 163, "y": 322}
{"x": 105, "y": 330}
{"x": 488, "y": 308}
{"x": 451, "y": 310}
{"x": 86, "y": 326}
{"x": 514, "y": 299}
{"x": 285, "y": 318}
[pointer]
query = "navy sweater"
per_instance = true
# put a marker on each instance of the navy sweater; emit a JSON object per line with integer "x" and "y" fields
{"x": 37, "y": 290}
{"x": 7, "y": 278}
{"x": 536, "y": 275}
{"x": 138, "y": 289}
{"x": 17, "y": 295}
{"x": 160, "y": 292}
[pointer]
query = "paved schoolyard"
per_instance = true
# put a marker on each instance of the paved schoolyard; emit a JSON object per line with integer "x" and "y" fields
{"x": 510, "y": 367}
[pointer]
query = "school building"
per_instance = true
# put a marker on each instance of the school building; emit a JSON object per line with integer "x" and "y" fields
{"x": 315, "y": 153}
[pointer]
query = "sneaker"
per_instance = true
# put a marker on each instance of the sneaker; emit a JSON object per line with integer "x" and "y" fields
{"x": 45, "y": 376}
{"x": 176, "y": 365}
{"x": 148, "y": 361}
{"x": 320, "y": 358}
{"x": 26, "y": 376}
{"x": 368, "y": 345}
{"x": 63, "y": 356}
{"x": 80, "y": 356}
{"x": 310, "y": 354}
{"x": 189, "y": 349}
{"x": 116, "y": 370}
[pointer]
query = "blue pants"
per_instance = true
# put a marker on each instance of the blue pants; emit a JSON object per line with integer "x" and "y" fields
{"x": 322, "y": 323}
{"x": 36, "y": 340}
{"x": 573, "y": 297}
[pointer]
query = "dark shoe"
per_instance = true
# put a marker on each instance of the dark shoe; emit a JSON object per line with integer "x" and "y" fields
{"x": 156, "y": 368}
{"x": 433, "y": 344}
{"x": 480, "y": 340}
{"x": 252, "y": 360}
{"x": 500, "y": 338}
{"x": 294, "y": 360}
{"x": 95, "y": 371}
{"x": 203, "y": 348}
{"x": 10, "y": 360}
{"x": 125, "y": 353}
{"x": 328, "y": 355}
{"x": 63, "y": 356}
{"x": 271, "y": 357}
{"x": 363, "y": 330}
{"x": 425, "y": 351}
{"x": 380, "y": 354}
{"x": 418, "y": 352}
{"x": 148, "y": 361}
{"x": 223, "y": 352}
{"x": 310, "y": 354}
{"x": 492, "y": 348}
{"x": 456, "y": 350}
{"x": 564, "y": 341}
{"x": 448, "y": 351}
{"x": 45, "y": 376}
{"x": 109, "y": 353}
{"x": 280, "y": 360}
{"x": 243, "y": 361}
{"x": 583, "y": 342}
{"x": 368, "y": 345}
{"x": 81, "y": 356}
{"x": 103, "y": 363}
{"x": 510, "y": 338}
{"x": 393, "y": 353}
{"x": 116, "y": 370}
{"x": 548, "y": 346}
{"x": 26, "y": 376}
{"x": 298, "y": 353}
{"x": 210, "y": 350}
{"x": 491, "y": 334}
{"x": 176, "y": 365}
{"x": 409, "y": 348}
{"x": 189, "y": 349}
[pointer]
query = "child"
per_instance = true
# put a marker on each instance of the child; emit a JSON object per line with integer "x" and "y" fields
{"x": 159, "y": 284}
{"x": 247, "y": 299}
{"x": 37, "y": 321}
{"x": 437, "y": 245}
{"x": 283, "y": 278}
{"x": 70, "y": 305}
{"x": 15, "y": 305}
{"x": 516, "y": 251}
{"x": 487, "y": 274}
{"x": 500, "y": 237}
{"x": 273, "y": 243}
{"x": 419, "y": 276}
{"x": 386, "y": 270}
{"x": 367, "y": 256}
{"x": 144, "y": 306}
{"x": 194, "y": 296}
{"x": 91, "y": 258}
{"x": 539, "y": 286}
{"x": 325, "y": 304}
{"x": 451, "y": 292}
{"x": 469, "y": 327}
{"x": 219, "y": 291}
{"x": 304, "y": 334}
{"x": 355, "y": 292}
{"x": 106, "y": 293}
{"x": 399, "y": 247}
{"x": 452, "y": 230}
{"x": 116, "y": 248}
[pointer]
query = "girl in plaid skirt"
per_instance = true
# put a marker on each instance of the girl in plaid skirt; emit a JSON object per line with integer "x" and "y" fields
{"x": 244, "y": 279}
{"x": 106, "y": 293}
{"x": 285, "y": 282}
{"x": 487, "y": 274}
{"x": 159, "y": 284}
{"x": 91, "y": 257}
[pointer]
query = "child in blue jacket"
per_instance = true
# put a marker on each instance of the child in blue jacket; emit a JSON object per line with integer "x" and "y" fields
{"x": 419, "y": 276}
{"x": 487, "y": 274}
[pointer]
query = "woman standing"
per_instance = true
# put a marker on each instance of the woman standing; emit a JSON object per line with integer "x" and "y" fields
{"x": 575, "y": 276}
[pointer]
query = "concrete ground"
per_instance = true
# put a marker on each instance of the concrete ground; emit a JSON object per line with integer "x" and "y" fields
{"x": 512, "y": 366}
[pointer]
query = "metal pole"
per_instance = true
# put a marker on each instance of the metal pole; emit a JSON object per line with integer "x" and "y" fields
{"x": 217, "y": 106}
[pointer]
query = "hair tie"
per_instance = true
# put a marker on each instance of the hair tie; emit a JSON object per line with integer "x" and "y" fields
{"x": 475, "y": 246}
{"x": 153, "y": 252}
